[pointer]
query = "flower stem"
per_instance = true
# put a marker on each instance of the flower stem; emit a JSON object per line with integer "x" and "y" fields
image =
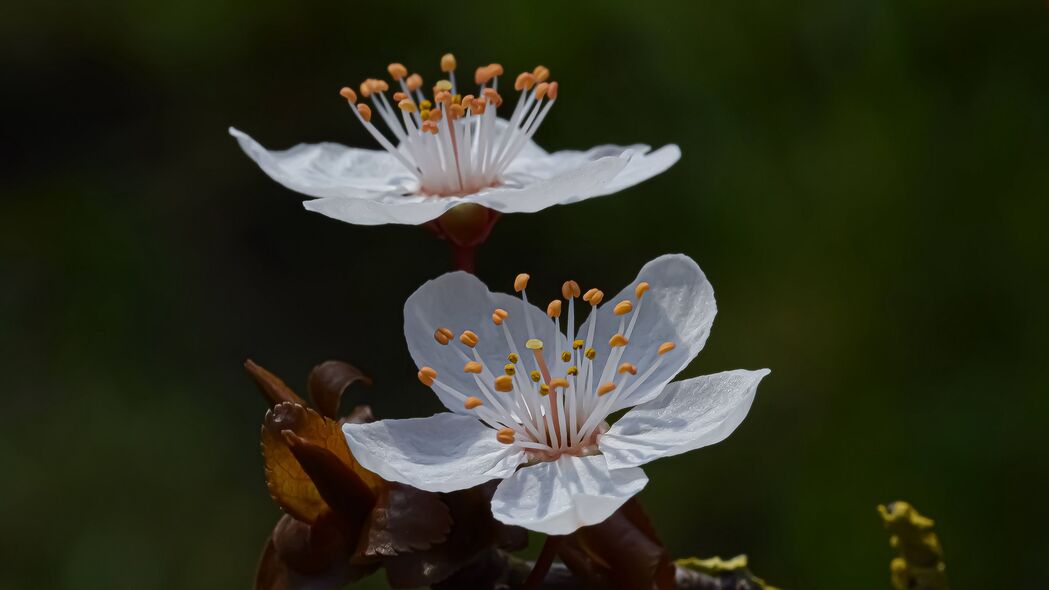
{"x": 463, "y": 257}
{"x": 543, "y": 563}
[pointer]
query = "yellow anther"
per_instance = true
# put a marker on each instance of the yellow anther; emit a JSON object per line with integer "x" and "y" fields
{"x": 540, "y": 90}
{"x": 566, "y": 356}
{"x": 618, "y": 340}
{"x": 590, "y": 353}
{"x": 666, "y": 347}
{"x": 623, "y": 307}
{"x": 472, "y": 367}
{"x": 365, "y": 111}
{"x": 559, "y": 382}
{"x": 468, "y": 338}
{"x": 492, "y": 96}
{"x": 535, "y": 376}
{"x": 414, "y": 82}
{"x": 553, "y": 310}
{"x": 472, "y": 402}
{"x": 512, "y": 357}
{"x": 606, "y": 388}
{"x": 541, "y": 73}
{"x": 627, "y": 368}
{"x": 427, "y": 376}
{"x": 424, "y": 114}
{"x": 397, "y": 71}
{"x": 534, "y": 344}
{"x": 570, "y": 289}
{"x": 640, "y": 289}
{"x": 544, "y": 389}
{"x": 505, "y": 436}
{"x": 457, "y": 99}
{"x": 425, "y": 104}
{"x": 521, "y": 282}
{"x": 577, "y": 344}
{"x": 573, "y": 370}
{"x": 524, "y": 81}
{"x": 366, "y": 88}
{"x": 594, "y": 297}
{"x": 348, "y": 93}
{"x": 406, "y": 105}
{"x": 509, "y": 369}
{"x": 551, "y": 92}
{"x": 447, "y": 62}
{"x": 443, "y": 335}
{"x": 504, "y": 383}
{"x": 444, "y": 86}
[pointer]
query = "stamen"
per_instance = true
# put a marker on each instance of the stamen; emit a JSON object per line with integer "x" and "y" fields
{"x": 521, "y": 282}
{"x": 509, "y": 369}
{"x": 414, "y": 82}
{"x": 627, "y": 368}
{"x": 472, "y": 367}
{"x": 365, "y": 111}
{"x": 594, "y": 297}
{"x": 553, "y": 310}
{"x": 534, "y": 344}
{"x": 427, "y": 375}
{"x": 577, "y": 344}
{"x": 551, "y": 91}
{"x": 666, "y": 347}
{"x": 512, "y": 357}
{"x": 498, "y": 316}
{"x": 606, "y": 388}
{"x": 468, "y": 338}
{"x": 443, "y": 336}
{"x": 541, "y": 73}
{"x": 640, "y": 289}
{"x": 504, "y": 383}
{"x": 447, "y": 62}
{"x": 559, "y": 382}
{"x": 573, "y": 370}
{"x": 570, "y": 289}
{"x": 540, "y": 90}
{"x": 544, "y": 389}
{"x": 623, "y": 307}
{"x": 618, "y": 340}
{"x": 406, "y": 105}
{"x": 524, "y": 81}
{"x": 473, "y": 402}
{"x": 348, "y": 93}
{"x": 535, "y": 376}
{"x": 505, "y": 436}
{"x": 566, "y": 356}
{"x": 590, "y": 353}
{"x": 397, "y": 71}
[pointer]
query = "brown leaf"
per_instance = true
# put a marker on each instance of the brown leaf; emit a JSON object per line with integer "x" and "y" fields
{"x": 273, "y": 389}
{"x": 306, "y": 548}
{"x": 288, "y": 483}
{"x": 342, "y": 490}
{"x": 406, "y": 519}
{"x": 328, "y": 381}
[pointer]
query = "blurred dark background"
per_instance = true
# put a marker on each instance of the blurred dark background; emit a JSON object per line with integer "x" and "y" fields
{"x": 865, "y": 183}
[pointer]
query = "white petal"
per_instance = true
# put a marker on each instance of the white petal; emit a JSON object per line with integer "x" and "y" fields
{"x": 527, "y": 194}
{"x": 679, "y": 307}
{"x": 643, "y": 166}
{"x": 442, "y": 453}
{"x": 688, "y": 415}
{"x": 459, "y": 301}
{"x": 558, "y": 497}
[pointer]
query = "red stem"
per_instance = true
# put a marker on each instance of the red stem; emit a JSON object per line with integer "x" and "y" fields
{"x": 463, "y": 257}
{"x": 543, "y": 563}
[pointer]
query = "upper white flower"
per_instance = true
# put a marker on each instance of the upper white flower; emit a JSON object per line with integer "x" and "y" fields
{"x": 529, "y": 403}
{"x": 451, "y": 150}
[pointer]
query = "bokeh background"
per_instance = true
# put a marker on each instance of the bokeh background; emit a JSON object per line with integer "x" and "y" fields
{"x": 865, "y": 183}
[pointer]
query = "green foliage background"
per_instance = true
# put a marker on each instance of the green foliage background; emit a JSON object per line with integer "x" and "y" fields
{"x": 864, "y": 182}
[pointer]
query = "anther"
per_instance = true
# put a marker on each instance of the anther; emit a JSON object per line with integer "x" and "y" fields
{"x": 472, "y": 402}
{"x": 399, "y": 96}
{"x": 606, "y": 388}
{"x": 456, "y": 110}
{"x": 535, "y": 376}
{"x": 541, "y": 73}
{"x": 366, "y": 88}
{"x": 551, "y": 92}
{"x": 512, "y": 357}
{"x": 618, "y": 340}
{"x": 425, "y": 104}
{"x": 414, "y": 82}
{"x": 435, "y": 116}
{"x": 505, "y": 436}
{"x": 504, "y": 383}
{"x": 443, "y": 335}
{"x": 472, "y": 367}
{"x": 590, "y": 353}
{"x": 540, "y": 90}
{"x": 544, "y": 389}
{"x": 427, "y": 375}
{"x": 447, "y": 62}
{"x": 534, "y": 344}
{"x": 379, "y": 85}
{"x": 559, "y": 382}
{"x": 509, "y": 369}
{"x": 623, "y": 307}
{"x": 521, "y": 282}
{"x": 594, "y": 297}
{"x": 627, "y": 368}
{"x": 577, "y": 344}
{"x": 495, "y": 69}
{"x": 468, "y": 338}
{"x": 424, "y": 114}
{"x": 566, "y": 356}
{"x": 640, "y": 289}
{"x": 666, "y": 347}
{"x": 443, "y": 85}
{"x": 493, "y": 96}
{"x": 442, "y": 96}
{"x": 573, "y": 370}
{"x": 348, "y": 93}
{"x": 365, "y": 111}
{"x": 397, "y": 71}
{"x": 482, "y": 75}
{"x": 524, "y": 81}
{"x": 553, "y": 310}
{"x": 570, "y": 289}
{"x": 406, "y": 105}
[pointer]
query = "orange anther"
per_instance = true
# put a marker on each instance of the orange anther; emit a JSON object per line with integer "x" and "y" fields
{"x": 498, "y": 316}
{"x": 504, "y": 383}
{"x": 541, "y": 73}
{"x": 570, "y": 289}
{"x": 365, "y": 111}
{"x": 447, "y": 62}
{"x": 495, "y": 69}
{"x": 468, "y": 338}
{"x": 477, "y": 107}
{"x": 366, "y": 88}
{"x": 594, "y": 297}
{"x": 505, "y": 436}
{"x": 427, "y": 376}
{"x": 472, "y": 402}
{"x": 348, "y": 93}
{"x": 640, "y": 289}
{"x": 521, "y": 282}
{"x": 414, "y": 82}
{"x": 493, "y": 96}
{"x": 442, "y": 96}
{"x": 627, "y": 368}
{"x": 618, "y": 340}
{"x": 666, "y": 347}
{"x": 540, "y": 90}
{"x": 472, "y": 367}
{"x": 553, "y": 310}
{"x": 524, "y": 81}
{"x": 551, "y": 92}
{"x": 623, "y": 307}
{"x": 456, "y": 111}
{"x": 606, "y": 388}
{"x": 397, "y": 71}
{"x": 430, "y": 127}
{"x": 435, "y": 116}
{"x": 379, "y": 86}
{"x": 399, "y": 96}
{"x": 443, "y": 335}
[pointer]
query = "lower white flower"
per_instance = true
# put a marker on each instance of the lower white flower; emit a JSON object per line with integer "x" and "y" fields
{"x": 451, "y": 149}
{"x": 529, "y": 402}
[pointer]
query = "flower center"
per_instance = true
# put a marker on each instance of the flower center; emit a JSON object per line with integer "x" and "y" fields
{"x": 550, "y": 404}
{"x": 454, "y": 144}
